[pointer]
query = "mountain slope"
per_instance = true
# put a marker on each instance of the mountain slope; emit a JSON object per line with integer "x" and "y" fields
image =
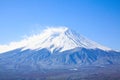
{"x": 71, "y": 58}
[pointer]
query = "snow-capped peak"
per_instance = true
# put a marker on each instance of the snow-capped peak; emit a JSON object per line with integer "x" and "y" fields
{"x": 55, "y": 30}
{"x": 54, "y": 39}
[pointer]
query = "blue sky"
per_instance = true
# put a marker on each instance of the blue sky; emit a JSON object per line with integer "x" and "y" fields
{"x": 98, "y": 20}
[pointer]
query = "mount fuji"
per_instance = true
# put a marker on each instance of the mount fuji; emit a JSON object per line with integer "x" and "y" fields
{"x": 54, "y": 49}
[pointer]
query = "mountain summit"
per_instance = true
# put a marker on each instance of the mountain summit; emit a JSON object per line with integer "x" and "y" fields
{"x": 61, "y": 39}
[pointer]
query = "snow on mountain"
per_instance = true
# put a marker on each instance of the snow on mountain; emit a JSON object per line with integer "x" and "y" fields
{"x": 60, "y": 38}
